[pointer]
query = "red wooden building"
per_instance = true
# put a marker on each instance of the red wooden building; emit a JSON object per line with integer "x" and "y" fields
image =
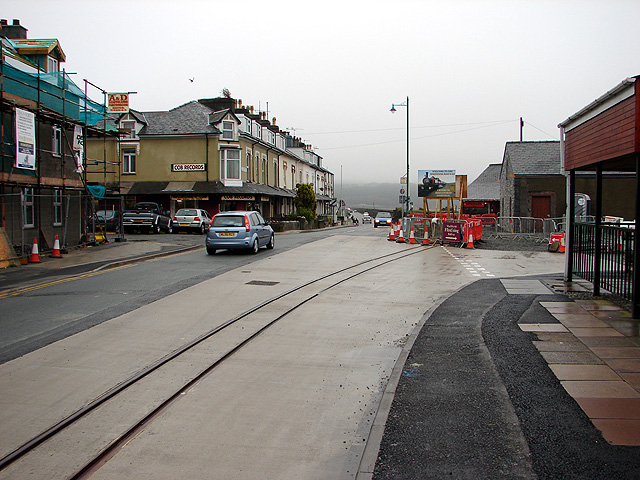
{"x": 605, "y": 137}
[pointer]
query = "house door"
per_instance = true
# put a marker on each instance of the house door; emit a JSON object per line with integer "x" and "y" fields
{"x": 540, "y": 208}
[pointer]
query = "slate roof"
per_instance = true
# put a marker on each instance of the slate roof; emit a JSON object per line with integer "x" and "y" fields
{"x": 192, "y": 117}
{"x": 213, "y": 187}
{"x": 486, "y": 186}
{"x": 533, "y": 158}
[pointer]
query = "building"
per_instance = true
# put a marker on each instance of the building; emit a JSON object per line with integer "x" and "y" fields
{"x": 214, "y": 154}
{"x": 483, "y": 194}
{"x": 605, "y": 137}
{"x": 44, "y": 117}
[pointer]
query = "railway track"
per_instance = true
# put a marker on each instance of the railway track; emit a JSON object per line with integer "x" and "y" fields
{"x": 204, "y": 354}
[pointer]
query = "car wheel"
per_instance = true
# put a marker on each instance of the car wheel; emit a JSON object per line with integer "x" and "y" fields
{"x": 211, "y": 251}
{"x": 272, "y": 242}
{"x": 255, "y": 247}
{"x": 170, "y": 228}
{"x": 154, "y": 229}
{"x": 202, "y": 229}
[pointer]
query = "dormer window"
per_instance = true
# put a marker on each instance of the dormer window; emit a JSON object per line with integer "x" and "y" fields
{"x": 228, "y": 130}
{"x": 52, "y": 65}
{"x": 131, "y": 125}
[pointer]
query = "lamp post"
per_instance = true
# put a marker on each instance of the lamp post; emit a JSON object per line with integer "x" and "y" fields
{"x": 393, "y": 110}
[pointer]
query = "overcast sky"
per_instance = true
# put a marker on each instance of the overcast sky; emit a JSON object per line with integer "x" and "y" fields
{"x": 331, "y": 69}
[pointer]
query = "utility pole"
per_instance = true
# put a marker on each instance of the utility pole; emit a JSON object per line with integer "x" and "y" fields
{"x": 521, "y": 127}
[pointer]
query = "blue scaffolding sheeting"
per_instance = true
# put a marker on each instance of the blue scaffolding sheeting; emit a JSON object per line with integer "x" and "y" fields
{"x": 55, "y": 91}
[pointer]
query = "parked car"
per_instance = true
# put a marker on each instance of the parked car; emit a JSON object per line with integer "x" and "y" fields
{"x": 366, "y": 218}
{"x": 191, "y": 219}
{"x": 382, "y": 219}
{"x": 109, "y": 220}
{"x": 241, "y": 229}
{"x": 147, "y": 216}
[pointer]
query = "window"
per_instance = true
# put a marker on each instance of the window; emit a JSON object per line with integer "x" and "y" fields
{"x": 128, "y": 161}
{"x": 52, "y": 64}
{"x": 264, "y": 170}
{"x": 57, "y": 207}
{"x": 28, "y": 214}
{"x": 227, "y": 130}
{"x": 56, "y": 140}
{"x": 132, "y": 126}
{"x": 230, "y": 163}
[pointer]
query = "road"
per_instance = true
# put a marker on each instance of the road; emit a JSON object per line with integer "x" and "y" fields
{"x": 66, "y": 304}
{"x": 297, "y": 402}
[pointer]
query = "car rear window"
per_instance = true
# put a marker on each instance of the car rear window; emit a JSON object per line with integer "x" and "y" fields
{"x": 228, "y": 221}
{"x": 185, "y": 211}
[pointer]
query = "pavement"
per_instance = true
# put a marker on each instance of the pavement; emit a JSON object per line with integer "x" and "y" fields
{"x": 507, "y": 378}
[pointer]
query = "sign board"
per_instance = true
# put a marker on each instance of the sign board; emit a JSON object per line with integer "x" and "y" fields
{"x": 188, "y": 167}
{"x": 25, "y": 140}
{"x": 190, "y": 197}
{"x": 245, "y": 198}
{"x": 117, "y": 103}
{"x": 437, "y": 183}
{"x": 451, "y": 231}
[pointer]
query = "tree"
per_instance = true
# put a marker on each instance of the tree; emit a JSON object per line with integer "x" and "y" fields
{"x": 305, "y": 201}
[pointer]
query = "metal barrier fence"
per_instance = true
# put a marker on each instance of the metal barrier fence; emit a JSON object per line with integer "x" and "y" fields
{"x": 528, "y": 227}
{"x": 616, "y": 258}
{"x": 43, "y": 216}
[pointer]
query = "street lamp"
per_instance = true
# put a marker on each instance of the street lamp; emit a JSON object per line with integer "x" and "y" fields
{"x": 393, "y": 110}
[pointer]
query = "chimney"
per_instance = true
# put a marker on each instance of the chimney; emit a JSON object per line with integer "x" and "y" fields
{"x": 273, "y": 121}
{"x": 15, "y": 31}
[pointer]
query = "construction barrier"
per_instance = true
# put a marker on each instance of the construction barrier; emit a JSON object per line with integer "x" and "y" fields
{"x": 556, "y": 243}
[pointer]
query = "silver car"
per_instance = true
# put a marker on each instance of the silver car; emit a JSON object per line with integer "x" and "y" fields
{"x": 191, "y": 219}
{"x": 242, "y": 229}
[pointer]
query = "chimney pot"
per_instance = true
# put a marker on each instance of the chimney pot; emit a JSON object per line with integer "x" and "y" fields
{"x": 273, "y": 121}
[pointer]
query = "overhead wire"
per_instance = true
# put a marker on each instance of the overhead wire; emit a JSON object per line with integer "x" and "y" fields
{"x": 421, "y": 137}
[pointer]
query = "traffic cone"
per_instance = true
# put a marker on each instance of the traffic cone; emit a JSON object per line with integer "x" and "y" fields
{"x": 400, "y": 238}
{"x": 34, "y": 258}
{"x": 412, "y": 237}
{"x": 425, "y": 240}
{"x": 470, "y": 244}
{"x": 619, "y": 245}
{"x": 392, "y": 234}
{"x": 56, "y": 248}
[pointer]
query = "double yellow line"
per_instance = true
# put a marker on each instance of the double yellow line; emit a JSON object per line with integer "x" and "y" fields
{"x": 32, "y": 288}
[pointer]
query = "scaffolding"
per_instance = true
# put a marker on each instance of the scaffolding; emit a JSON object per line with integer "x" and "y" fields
{"x": 54, "y": 99}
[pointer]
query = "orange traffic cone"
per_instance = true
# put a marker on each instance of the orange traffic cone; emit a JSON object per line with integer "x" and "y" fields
{"x": 470, "y": 244}
{"x": 412, "y": 237}
{"x": 35, "y": 257}
{"x": 56, "y": 248}
{"x": 400, "y": 238}
{"x": 392, "y": 233}
{"x": 425, "y": 240}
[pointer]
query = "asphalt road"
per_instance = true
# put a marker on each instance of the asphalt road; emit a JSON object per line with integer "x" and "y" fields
{"x": 80, "y": 297}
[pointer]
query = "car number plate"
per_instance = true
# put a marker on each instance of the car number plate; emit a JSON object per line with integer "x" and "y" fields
{"x": 138, "y": 221}
{"x": 227, "y": 234}
{"x": 184, "y": 224}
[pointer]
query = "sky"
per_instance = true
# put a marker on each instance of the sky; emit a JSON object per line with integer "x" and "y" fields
{"x": 329, "y": 71}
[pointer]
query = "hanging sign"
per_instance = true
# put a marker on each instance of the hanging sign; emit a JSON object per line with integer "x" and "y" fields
{"x": 25, "y": 140}
{"x": 78, "y": 148}
{"x": 117, "y": 103}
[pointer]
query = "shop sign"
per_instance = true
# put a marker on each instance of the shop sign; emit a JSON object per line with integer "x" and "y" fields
{"x": 451, "y": 232}
{"x": 117, "y": 103}
{"x": 264, "y": 199}
{"x": 191, "y": 197}
{"x": 242, "y": 198}
{"x": 188, "y": 167}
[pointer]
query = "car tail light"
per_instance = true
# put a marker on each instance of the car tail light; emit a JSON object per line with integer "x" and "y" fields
{"x": 196, "y": 219}
{"x": 175, "y": 219}
{"x": 246, "y": 224}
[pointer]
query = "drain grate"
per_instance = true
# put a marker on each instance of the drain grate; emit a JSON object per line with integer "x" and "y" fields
{"x": 262, "y": 282}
